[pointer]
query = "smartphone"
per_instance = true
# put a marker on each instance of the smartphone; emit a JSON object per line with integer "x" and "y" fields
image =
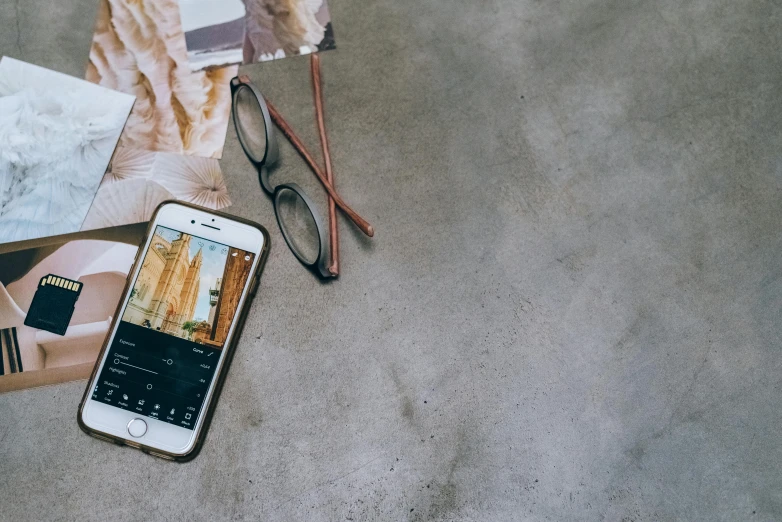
{"x": 162, "y": 365}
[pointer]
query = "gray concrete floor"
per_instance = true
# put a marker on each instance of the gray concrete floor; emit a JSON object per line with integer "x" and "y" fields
{"x": 570, "y": 310}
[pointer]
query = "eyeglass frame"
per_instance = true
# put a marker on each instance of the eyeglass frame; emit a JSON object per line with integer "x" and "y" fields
{"x": 270, "y": 158}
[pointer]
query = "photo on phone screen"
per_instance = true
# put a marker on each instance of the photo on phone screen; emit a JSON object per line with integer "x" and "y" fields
{"x": 175, "y": 324}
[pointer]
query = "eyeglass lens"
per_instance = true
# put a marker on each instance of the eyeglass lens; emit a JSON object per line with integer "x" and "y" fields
{"x": 250, "y": 123}
{"x": 298, "y": 225}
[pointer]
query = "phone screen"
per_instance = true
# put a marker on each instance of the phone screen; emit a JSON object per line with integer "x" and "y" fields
{"x": 173, "y": 329}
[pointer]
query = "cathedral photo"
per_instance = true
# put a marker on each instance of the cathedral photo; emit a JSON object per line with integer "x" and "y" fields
{"x": 188, "y": 287}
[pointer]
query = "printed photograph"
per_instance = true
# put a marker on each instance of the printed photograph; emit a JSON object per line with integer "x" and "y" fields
{"x": 32, "y": 353}
{"x": 223, "y": 32}
{"x": 138, "y": 47}
{"x": 188, "y": 287}
{"x": 137, "y": 181}
{"x": 57, "y": 136}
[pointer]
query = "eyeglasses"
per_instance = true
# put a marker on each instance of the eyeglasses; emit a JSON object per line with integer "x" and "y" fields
{"x": 298, "y": 218}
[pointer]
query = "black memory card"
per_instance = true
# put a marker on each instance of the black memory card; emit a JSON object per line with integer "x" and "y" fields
{"x": 53, "y": 304}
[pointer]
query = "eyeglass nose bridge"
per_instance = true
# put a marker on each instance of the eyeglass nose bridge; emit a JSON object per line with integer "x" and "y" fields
{"x": 263, "y": 177}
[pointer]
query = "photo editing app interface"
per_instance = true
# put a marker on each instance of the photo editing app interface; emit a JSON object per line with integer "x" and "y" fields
{"x": 174, "y": 327}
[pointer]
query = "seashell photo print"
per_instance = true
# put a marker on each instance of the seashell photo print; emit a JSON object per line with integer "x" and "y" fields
{"x": 138, "y": 47}
{"x": 137, "y": 181}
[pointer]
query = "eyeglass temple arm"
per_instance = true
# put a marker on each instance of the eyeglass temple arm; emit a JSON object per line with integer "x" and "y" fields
{"x": 302, "y": 150}
{"x": 287, "y": 130}
{"x": 317, "y": 95}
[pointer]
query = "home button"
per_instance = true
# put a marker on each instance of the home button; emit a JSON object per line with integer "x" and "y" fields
{"x": 137, "y": 427}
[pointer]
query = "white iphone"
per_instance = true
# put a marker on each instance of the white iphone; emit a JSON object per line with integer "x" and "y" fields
{"x": 162, "y": 365}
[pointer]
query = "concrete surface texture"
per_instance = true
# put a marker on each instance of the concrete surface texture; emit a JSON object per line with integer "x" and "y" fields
{"x": 570, "y": 310}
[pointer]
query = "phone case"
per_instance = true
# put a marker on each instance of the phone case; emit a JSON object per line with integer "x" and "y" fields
{"x": 229, "y": 350}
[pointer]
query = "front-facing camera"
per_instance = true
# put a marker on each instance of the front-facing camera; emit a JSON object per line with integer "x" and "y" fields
{"x": 192, "y": 221}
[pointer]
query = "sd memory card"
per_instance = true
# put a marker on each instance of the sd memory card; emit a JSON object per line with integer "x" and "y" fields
{"x": 53, "y": 304}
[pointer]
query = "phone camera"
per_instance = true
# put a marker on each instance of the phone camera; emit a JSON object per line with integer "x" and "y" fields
{"x": 192, "y": 221}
